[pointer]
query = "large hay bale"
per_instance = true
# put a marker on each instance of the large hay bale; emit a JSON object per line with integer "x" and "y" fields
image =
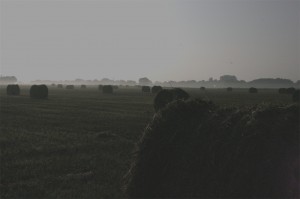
{"x": 253, "y": 90}
{"x": 146, "y": 89}
{"x": 156, "y": 89}
{"x": 59, "y": 86}
{"x": 13, "y": 89}
{"x": 38, "y": 91}
{"x": 166, "y": 96}
{"x": 70, "y": 87}
{"x": 296, "y": 96}
{"x": 107, "y": 89}
{"x": 195, "y": 149}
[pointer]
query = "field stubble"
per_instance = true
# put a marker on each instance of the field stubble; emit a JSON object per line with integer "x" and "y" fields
{"x": 79, "y": 143}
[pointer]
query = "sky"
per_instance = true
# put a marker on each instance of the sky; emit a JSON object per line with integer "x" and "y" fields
{"x": 159, "y": 39}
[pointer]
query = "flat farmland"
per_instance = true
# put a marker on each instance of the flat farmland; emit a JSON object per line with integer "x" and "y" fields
{"x": 79, "y": 143}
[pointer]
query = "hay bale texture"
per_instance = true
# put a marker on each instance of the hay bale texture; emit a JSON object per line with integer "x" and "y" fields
{"x": 195, "y": 149}
{"x": 38, "y": 91}
{"x": 156, "y": 89}
{"x": 146, "y": 89}
{"x": 165, "y": 96}
{"x": 253, "y": 90}
{"x": 108, "y": 89}
{"x": 13, "y": 89}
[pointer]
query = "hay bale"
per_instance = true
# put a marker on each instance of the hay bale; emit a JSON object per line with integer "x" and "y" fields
{"x": 229, "y": 89}
{"x": 13, "y": 89}
{"x": 107, "y": 89}
{"x": 282, "y": 90}
{"x": 100, "y": 87}
{"x": 290, "y": 90}
{"x": 296, "y": 96}
{"x": 195, "y": 149}
{"x": 253, "y": 90}
{"x": 146, "y": 89}
{"x": 38, "y": 91}
{"x": 166, "y": 96}
{"x": 59, "y": 86}
{"x": 83, "y": 86}
{"x": 70, "y": 87}
{"x": 202, "y": 88}
{"x": 156, "y": 89}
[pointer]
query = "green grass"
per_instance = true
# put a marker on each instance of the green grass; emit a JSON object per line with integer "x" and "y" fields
{"x": 78, "y": 143}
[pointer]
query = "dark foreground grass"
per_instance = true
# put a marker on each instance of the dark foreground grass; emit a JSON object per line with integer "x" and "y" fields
{"x": 78, "y": 143}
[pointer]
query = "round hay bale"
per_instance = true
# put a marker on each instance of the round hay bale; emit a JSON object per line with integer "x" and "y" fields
{"x": 253, "y": 90}
{"x": 193, "y": 149}
{"x": 53, "y": 84}
{"x": 282, "y": 90}
{"x": 59, "y": 86}
{"x": 229, "y": 89}
{"x": 202, "y": 88}
{"x": 83, "y": 86}
{"x": 107, "y": 89}
{"x": 296, "y": 96}
{"x": 164, "y": 97}
{"x": 290, "y": 90}
{"x": 146, "y": 89}
{"x": 13, "y": 89}
{"x": 70, "y": 87}
{"x": 38, "y": 91}
{"x": 156, "y": 89}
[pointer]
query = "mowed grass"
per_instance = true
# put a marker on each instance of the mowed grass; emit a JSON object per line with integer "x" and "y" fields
{"x": 79, "y": 143}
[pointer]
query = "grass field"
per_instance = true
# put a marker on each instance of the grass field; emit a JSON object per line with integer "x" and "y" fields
{"x": 78, "y": 143}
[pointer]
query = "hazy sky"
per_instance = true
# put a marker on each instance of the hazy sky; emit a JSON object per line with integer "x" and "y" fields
{"x": 160, "y": 39}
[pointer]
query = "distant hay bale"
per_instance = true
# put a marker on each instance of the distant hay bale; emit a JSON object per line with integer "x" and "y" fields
{"x": 38, "y": 91}
{"x": 164, "y": 97}
{"x": 70, "y": 87}
{"x": 146, "y": 89}
{"x": 53, "y": 85}
{"x": 229, "y": 89}
{"x": 296, "y": 96}
{"x": 13, "y": 89}
{"x": 194, "y": 149}
{"x": 282, "y": 90}
{"x": 253, "y": 90}
{"x": 290, "y": 90}
{"x": 107, "y": 89}
{"x": 202, "y": 88}
{"x": 83, "y": 86}
{"x": 59, "y": 86}
{"x": 156, "y": 89}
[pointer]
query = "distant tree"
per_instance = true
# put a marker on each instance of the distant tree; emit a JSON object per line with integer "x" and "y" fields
{"x": 228, "y": 79}
{"x": 8, "y": 79}
{"x": 145, "y": 81}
